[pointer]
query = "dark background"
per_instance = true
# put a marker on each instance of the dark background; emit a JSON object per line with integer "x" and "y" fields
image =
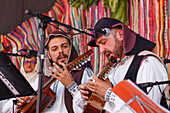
{"x": 12, "y": 12}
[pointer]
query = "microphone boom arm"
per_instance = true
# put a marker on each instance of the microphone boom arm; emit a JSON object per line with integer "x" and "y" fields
{"x": 49, "y": 19}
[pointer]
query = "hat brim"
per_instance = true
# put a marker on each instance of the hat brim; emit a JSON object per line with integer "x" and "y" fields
{"x": 92, "y": 43}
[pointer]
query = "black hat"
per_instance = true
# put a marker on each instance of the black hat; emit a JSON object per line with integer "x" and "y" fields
{"x": 101, "y": 24}
{"x": 132, "y": 42}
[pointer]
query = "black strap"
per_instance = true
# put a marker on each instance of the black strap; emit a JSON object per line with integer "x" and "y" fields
{"x": 134, "y": 67}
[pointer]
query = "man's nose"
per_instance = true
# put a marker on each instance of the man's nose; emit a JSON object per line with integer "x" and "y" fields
{"x": 60, "y": 50}
{"x": 101, "y": 49}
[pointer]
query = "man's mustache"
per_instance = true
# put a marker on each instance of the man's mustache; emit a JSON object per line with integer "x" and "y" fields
{"x": 62, "y": 56}
{"x": 106, "y": 52}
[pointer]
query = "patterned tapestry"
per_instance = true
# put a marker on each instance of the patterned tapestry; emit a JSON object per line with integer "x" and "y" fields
{"x": 149, "y": 18}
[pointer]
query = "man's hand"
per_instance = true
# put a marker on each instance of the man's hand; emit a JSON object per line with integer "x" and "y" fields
{"x": 85, "y": 92}
{"x": 99, "y": 86}
{"x": 22, "y": 100}
{"x": 64, "y": 76}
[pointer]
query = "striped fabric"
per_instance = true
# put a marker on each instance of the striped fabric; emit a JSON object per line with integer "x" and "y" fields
{"x": 149, "y": 18}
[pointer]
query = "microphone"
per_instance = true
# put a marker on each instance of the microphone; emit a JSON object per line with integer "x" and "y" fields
{"x": 104, "y": 31}
{"x": 39, "y": 15}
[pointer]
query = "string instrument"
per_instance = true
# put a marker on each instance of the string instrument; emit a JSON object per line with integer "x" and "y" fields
{"x": 96, "y": 103}
{"x": 47, "y": 94}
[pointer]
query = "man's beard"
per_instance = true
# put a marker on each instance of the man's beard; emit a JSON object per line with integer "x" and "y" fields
{"x": 117, "y": 51}
{"x": 120, "y": 52}
{"x": 59, "y": 57}
{"x": 118, "y": 48}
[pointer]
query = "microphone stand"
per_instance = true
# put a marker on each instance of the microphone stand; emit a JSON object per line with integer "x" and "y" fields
{"x": 11, "y": 54}
{"x": 43, "y": 25}
{"x": 16, "y": 54}
{"x": 69, "y": 27}
{"x": 44, "y": 21}
{"x": 49, "y": 19}
{"x": 151, "y": 84}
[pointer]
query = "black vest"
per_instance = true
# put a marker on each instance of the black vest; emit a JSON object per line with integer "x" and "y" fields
{"x": 132, "y": 73}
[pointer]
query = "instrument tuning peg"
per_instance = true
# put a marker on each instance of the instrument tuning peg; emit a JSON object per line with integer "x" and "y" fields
{"x": 88, "y": 59}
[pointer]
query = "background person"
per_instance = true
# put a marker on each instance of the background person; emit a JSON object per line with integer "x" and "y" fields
{"x": 29, "y": 69}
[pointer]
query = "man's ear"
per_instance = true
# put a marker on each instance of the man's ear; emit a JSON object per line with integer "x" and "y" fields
{"x": 120, "y": 33}
{"x": 48, "y": 54}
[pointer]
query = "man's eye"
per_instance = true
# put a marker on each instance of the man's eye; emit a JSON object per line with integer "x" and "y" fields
{"x": 64, "y": 46}
{"x": 103, "y": 42}
{"x": 53, "y": 49}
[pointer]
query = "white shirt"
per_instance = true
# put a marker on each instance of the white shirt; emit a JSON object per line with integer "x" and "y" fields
{"x": 2, "y": 103}
{"x": 59, "y": 105}
{"x": 151, "y": 70}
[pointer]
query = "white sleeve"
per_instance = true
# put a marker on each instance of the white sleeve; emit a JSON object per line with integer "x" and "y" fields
{"x": 78, "y": 102}
{"x": 2, "y": 103}
{"x": 114, "y": 104}
{"x": 74, "y": 88}
{"x": 9, "y": 106}
{"x": 151, "y": 70}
